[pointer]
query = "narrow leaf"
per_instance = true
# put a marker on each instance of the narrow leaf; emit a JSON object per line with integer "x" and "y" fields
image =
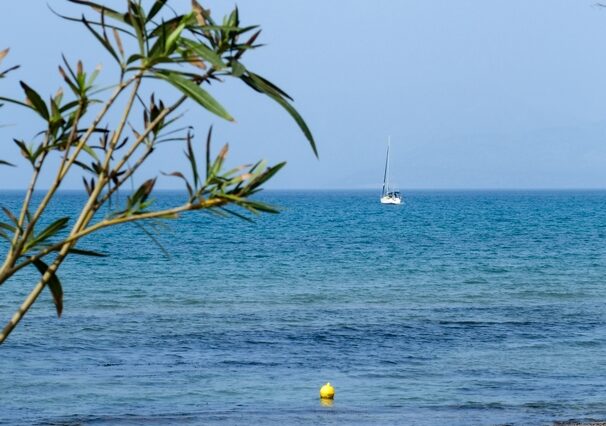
{"x": 7, "y": 227}
{"x": 208, "y": 141}
{"x": 157, "y": 7}
{"x": 36, "y": 101}
{"x": 54, "y": 285}
{"x": 196, "y": 93}
{"x": 262, "y": 85}
{"x": 101, "y": 40}
{"x": 10, "y": 215}
{"x": 181, "y": 176}
{"x": 192, "y": 161}
{"x": 237, "y": 69}
{"x": 265, "y": 176}
{"x": 173, "y": 37}
{"x": 101, "y": 9}
{"x": 86, "y": 252}
{"x": 204, "y": 52}
{"x": 49, "y": 231}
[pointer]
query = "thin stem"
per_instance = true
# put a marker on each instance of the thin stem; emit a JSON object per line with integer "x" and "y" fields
{"x": 85, "y": 216}
{"x": 65, "y": 167}
{"x": 111, "y": 190}
{"x": 72, "y": 136}
{"x": 18, "y": 246}
{"x": 15, "y": 248}
{"x": 147, "y": 131}
{"x": 140, "y": 139}
{"x": 32, "y": 296}
{"x": 91, "y": 205}
{"x": 210, "y": 203}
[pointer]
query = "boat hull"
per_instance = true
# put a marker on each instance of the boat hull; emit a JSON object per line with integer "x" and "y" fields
{"x": 391, "y": 200}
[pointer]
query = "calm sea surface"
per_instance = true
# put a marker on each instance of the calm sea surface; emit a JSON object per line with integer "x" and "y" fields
{"x": 457, "y": 308}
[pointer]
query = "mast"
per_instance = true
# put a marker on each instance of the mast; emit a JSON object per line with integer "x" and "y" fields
{"x": 386, "y": 174}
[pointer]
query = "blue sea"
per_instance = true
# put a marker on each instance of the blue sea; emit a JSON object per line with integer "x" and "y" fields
{"x": 457, "y": 308}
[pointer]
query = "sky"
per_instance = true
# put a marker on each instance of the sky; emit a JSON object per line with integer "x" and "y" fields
{"x": 474, "y": 94}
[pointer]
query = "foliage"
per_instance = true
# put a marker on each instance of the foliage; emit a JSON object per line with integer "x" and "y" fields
{"x": 150, "y": 46}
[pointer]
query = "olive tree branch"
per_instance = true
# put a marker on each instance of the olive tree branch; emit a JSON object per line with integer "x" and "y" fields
{"x": 17, "y": 246}
{"x": 66, "y": 244}
{"x": 66, "y": 165}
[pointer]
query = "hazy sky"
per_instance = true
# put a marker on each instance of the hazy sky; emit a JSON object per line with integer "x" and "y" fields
{"x": 475, "y": 94}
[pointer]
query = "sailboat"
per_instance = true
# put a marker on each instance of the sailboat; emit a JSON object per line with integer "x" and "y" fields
{"x": 388, "y": 194}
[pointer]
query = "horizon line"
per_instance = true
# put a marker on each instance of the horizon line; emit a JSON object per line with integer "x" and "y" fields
{"x": 444, "y": 189}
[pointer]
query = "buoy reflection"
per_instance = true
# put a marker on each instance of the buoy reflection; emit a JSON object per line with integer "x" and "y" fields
{"x": 324, "y": 402}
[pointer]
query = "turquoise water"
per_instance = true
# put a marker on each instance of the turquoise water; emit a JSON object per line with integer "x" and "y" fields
{"x": 456, "y": 308}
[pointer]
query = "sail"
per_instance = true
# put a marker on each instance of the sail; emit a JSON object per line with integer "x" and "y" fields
{"x": 385, "y": 183}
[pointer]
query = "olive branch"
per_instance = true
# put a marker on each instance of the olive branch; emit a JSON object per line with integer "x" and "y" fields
{"x": 150, "y": 46}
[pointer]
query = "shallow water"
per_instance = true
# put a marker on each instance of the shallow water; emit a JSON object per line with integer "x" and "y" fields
{"x": 455, "y": 308}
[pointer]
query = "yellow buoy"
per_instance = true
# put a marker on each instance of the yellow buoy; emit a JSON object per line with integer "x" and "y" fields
{"x": 327, "y": 391}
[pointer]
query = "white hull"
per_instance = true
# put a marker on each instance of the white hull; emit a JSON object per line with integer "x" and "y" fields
{"x": 391, "y": 200}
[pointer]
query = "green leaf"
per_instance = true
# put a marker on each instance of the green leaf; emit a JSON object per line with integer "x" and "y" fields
{"x": 135, "y": 18}
{"x": 257, "y": 206}
{"x": 54, "y": 285}
{"x": 173, "y": 37}
{"x": 160, "y": 47}
{"x": 86, "y": 252}
{"x": 13, "y": 68}
{"x": 101, "y": 9}
{"x": 299, "y": 120}
{"x": 8, "y": 227}
{"x": 49, "y": 231}
{"x": 16, "y": 102}
{"x": 25, "y": 151}
{"x": 196, "y": 93}
{"x": 234, "y": 20}
{"x": 6, "y": 163}
{"x": 261, "y": 85}
{"x": 269, "y": 86}
{"x": 69, "y": 106}
{"x": 252, "y": 206}
{"x": 10, "y": 215}
{"x": 133, "y": 58}
{"x": 265, "y": 176}
{"x": 192, "y": 161}
{"x": 204, "y": 52}
{"x": 157, "y": 7}
{"x": 171, "y": 24}
{"x": 180, "y": 175}
{"x": 154, "y": 239}
{"x": 90, "y": 151}
{"x": 140, "y": 196}
{"x": 208, "y": 142}
{"x": 105, "y": 43}
{"x": 93, "y": 76}
{"x": 236, "y": 214}
{"x": 237, "y": 69}
{"x": 34, "y": 98}
{"x": 216, "y": 166}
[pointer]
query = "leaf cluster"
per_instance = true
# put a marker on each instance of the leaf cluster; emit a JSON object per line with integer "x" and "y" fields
{"x": 150, "y": 44}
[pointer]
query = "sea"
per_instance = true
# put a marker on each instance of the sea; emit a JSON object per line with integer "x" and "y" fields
{"x": 454, "y": 308}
